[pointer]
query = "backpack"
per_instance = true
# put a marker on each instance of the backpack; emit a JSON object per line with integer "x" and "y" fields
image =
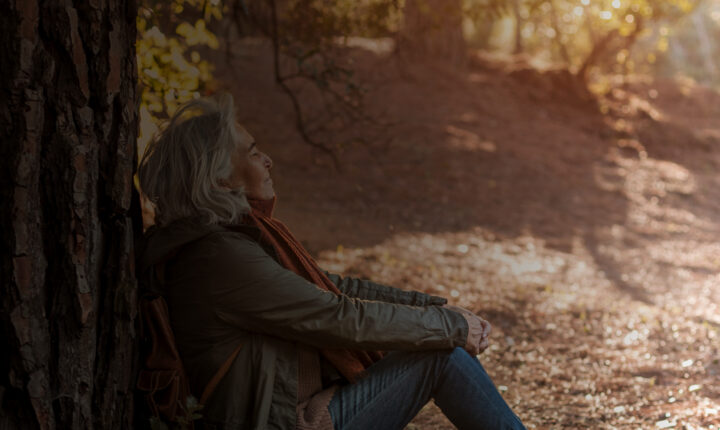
{"x": 162, "y": 376}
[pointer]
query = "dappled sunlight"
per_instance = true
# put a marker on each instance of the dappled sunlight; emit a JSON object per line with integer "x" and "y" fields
{"x": 690, "y": 254}
{"x": 647, "y": 182}
{"x": 467, "y": 140}
{"x": 473, "y": 268}
{"x": 645, "y": 179}
{"x": 382, "y": 46}
{"x": 568, "y": 344}
{"x": 636, "y": 104}
{"x": 664, "y": 250}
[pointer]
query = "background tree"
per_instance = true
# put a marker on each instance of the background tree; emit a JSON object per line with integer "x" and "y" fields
{"x": 590, "y": 37}
{"x": 68, "y": 128}
{"x": 433, "y": 28}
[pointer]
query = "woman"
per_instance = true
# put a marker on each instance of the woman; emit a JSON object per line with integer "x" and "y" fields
{"x": 309, "y": 341}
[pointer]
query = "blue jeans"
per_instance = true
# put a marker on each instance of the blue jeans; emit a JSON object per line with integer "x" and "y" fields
{"x": 399, "y": 385}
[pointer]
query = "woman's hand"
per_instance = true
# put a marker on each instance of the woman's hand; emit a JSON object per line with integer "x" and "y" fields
{"x": 478, "y": 333}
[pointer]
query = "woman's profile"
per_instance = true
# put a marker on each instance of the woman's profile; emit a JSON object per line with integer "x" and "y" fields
{"x": 316, "y": 350}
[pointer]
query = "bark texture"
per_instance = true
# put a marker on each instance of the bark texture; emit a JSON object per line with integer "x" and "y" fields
{"x": 67, "y": 289}
{"x": 433, "y": 28}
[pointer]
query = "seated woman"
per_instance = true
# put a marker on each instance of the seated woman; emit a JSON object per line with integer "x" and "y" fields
{"x": 316, "y": 350}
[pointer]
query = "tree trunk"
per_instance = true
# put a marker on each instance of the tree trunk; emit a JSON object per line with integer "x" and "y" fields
{"x": 68, "y": 126}
{"x": 706, "y": 45}
{"x": 607, "y": 47}
{"x": 518, "y": 27}
{"x": 558, "y": 35}
{"x": 433, "y": 28}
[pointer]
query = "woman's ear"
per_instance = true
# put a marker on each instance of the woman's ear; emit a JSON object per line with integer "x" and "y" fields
{"x": 224, "y": 184}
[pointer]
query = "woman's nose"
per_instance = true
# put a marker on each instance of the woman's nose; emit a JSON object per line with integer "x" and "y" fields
{"x": 268, "y": 161}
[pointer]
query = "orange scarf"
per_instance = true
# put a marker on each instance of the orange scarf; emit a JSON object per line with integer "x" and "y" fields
{"x": 350, "y": 363}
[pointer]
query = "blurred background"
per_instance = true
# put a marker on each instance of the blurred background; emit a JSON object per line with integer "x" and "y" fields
{"x": 549, "y": 164}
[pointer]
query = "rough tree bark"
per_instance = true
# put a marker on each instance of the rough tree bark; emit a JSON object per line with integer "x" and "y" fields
{"x": 433, "y": 28}
{"x": 67, "y": 130}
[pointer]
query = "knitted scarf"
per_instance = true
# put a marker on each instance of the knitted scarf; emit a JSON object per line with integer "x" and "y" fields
{"x": 293, "y": 256}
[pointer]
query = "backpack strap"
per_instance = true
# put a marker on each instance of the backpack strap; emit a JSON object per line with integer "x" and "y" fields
{"x": 159, "y": 269}
{"x": 217, "y": 377}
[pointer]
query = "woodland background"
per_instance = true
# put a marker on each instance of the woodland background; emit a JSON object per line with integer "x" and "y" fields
{"x": 549, "y": 164}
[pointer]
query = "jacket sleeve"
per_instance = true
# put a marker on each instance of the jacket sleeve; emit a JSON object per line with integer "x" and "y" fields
{"x": 369, "y": 290}
{"x": 253, "y": 292}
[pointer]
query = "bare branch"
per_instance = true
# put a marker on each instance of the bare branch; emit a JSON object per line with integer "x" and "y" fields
{"x": 300, "y": 123}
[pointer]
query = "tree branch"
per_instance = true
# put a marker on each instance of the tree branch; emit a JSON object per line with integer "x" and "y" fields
{"x": 299, "y": 121}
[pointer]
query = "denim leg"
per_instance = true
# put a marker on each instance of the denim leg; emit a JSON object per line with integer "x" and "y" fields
{"x": 398, "y": 386}
{"x": 468, "y": 397}
{"x": 389, "y": 396}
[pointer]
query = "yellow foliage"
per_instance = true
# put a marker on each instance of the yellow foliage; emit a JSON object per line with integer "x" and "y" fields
{"x": 622, "y": 56}
{"x": 197, "y": 34}
{"x": 168, "y": 74}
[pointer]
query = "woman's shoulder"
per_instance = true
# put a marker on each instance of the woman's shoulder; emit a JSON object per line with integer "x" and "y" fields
{"x": 189, "y": 236}
{"x": 228, "y": 239}
{"x": 224, "y": 253}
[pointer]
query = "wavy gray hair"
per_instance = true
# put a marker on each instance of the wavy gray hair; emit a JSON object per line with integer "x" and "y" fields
{"x": 182, "y": 169}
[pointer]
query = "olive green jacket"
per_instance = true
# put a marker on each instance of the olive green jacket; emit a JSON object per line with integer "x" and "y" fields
{"x": 223, "y": 290}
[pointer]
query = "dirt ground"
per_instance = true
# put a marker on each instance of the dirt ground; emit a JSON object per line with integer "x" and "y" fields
{"x": 586, "y": 229}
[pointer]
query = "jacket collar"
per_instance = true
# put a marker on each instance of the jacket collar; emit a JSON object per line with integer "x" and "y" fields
{"x": 160, "y": 243}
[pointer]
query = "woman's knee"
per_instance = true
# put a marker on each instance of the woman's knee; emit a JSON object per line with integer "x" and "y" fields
{"x": 446, "y": 355}
{"x": 444, "y": 359}
{"x": 459, "y": 357}
{"x": 459, "y": 353}
{"x": 437, "y": 360}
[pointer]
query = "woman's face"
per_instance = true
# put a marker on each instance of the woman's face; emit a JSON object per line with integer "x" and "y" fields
{"x": 251, "y": 168}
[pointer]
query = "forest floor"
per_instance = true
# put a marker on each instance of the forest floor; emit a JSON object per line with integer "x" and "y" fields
{"x": 586, "y": 229}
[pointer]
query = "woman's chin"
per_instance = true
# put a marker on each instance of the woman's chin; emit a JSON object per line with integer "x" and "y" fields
{"x": 262, "y": 195}
{"x": 269, "y": 191}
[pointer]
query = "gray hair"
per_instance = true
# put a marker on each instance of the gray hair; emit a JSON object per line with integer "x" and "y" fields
{"x": 182, "y": 169}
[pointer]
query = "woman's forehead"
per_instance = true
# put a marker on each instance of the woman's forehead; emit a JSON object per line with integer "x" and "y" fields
{"x": 244, "y": 138}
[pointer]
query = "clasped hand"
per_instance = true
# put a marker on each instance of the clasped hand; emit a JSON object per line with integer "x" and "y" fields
{"x": 478, "y": 333}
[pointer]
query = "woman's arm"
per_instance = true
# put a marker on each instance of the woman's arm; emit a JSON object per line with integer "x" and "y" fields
{"x": 250, "y": 290}
{"x": 369, "y": 290}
